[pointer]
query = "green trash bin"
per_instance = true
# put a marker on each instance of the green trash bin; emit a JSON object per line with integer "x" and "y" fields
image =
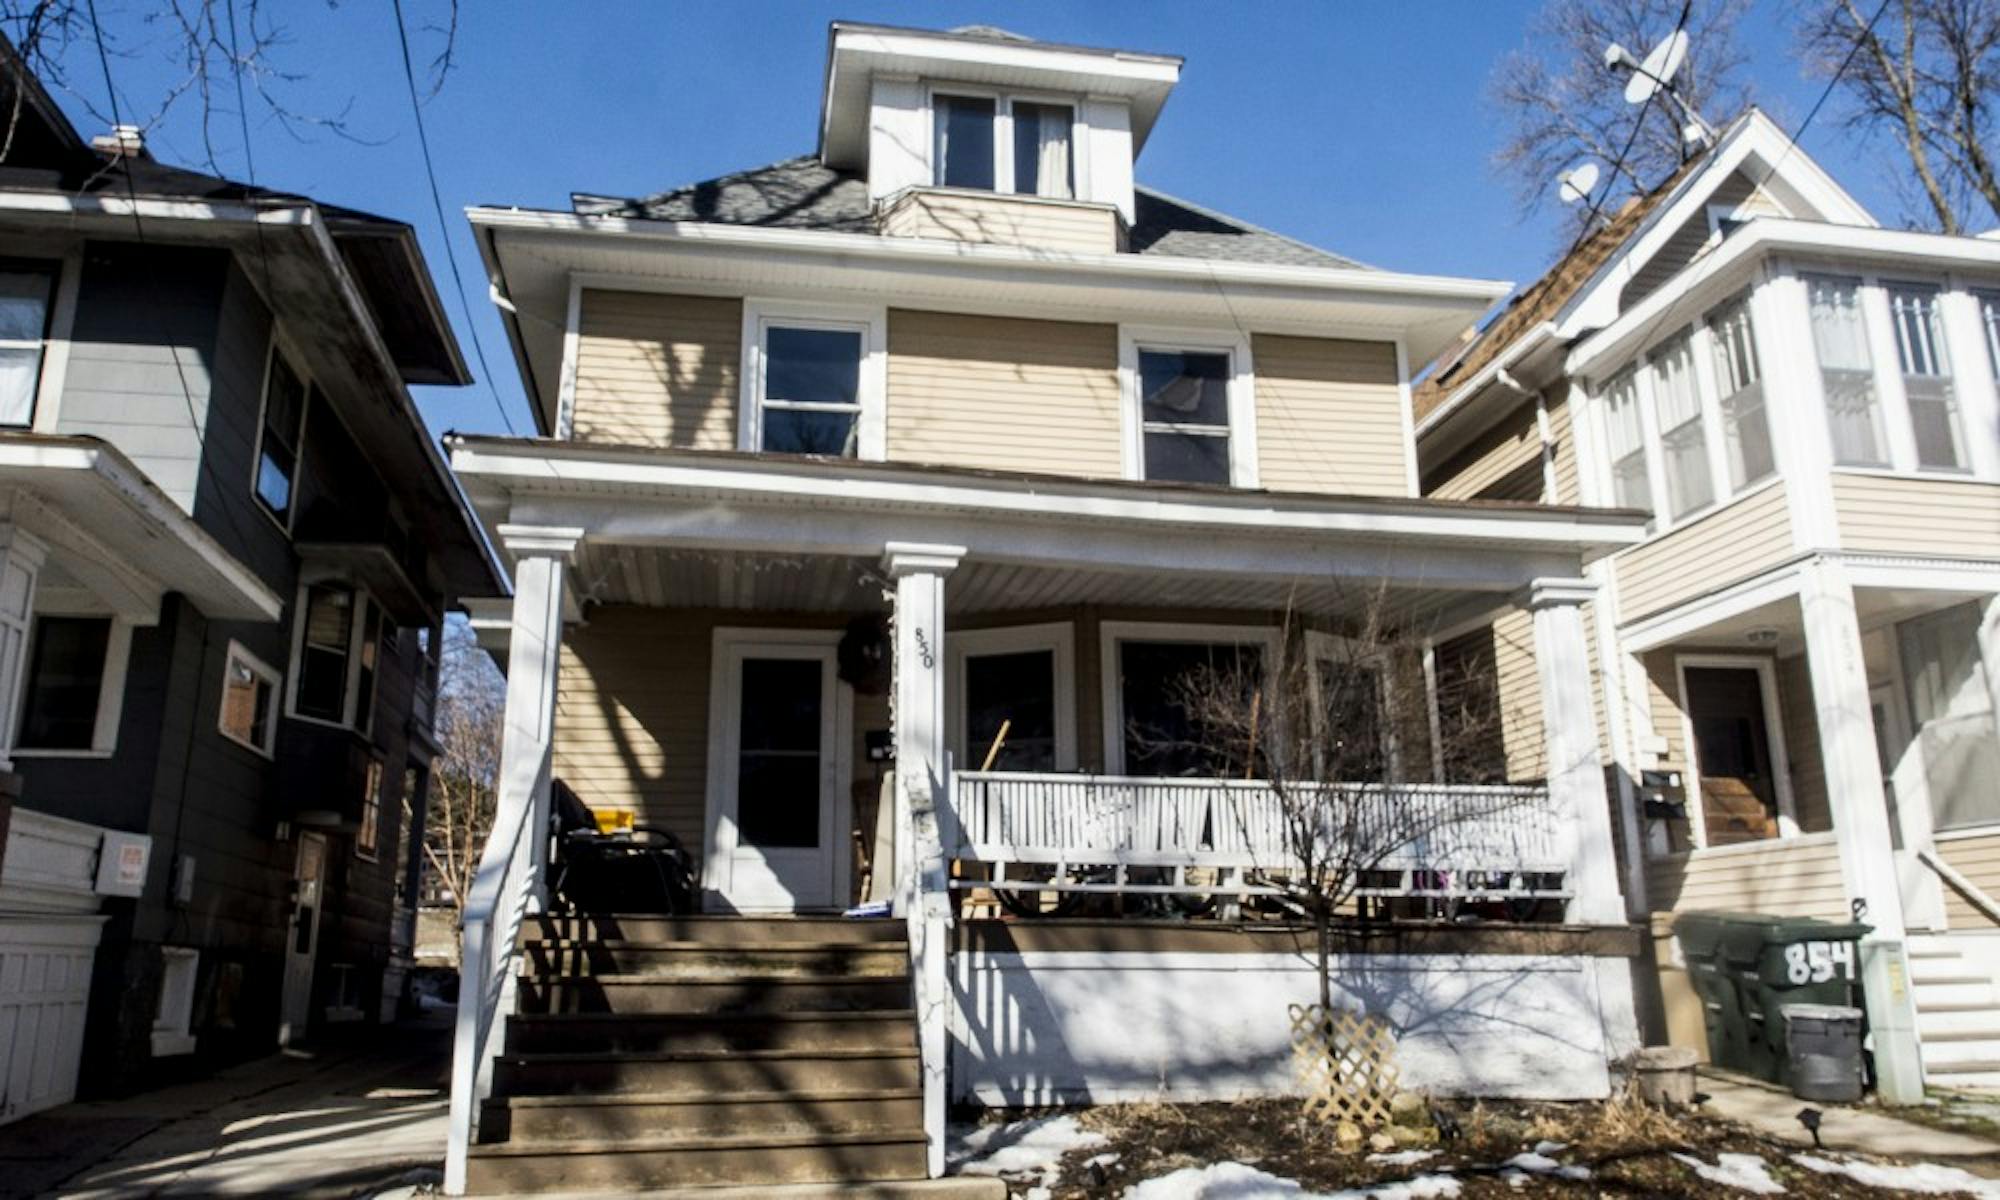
{"x": 1754, "y": 965}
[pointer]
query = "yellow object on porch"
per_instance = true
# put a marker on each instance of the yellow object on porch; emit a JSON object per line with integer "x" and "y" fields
{"x": 613, "y": 820}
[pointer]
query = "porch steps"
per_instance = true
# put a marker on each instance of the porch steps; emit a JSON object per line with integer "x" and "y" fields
{"x": 1958, "y": 1014}
{"x": 706, "y": 1055}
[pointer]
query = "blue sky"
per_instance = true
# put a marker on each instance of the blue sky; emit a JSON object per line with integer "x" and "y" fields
{"x": 1359, "y": 129}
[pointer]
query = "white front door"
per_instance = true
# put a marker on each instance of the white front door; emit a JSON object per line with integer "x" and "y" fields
{"x": 778, "y": 823}
{"x": 302, "y": 938}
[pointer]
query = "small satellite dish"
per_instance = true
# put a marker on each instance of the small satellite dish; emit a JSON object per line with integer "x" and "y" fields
{"x": 1576, "y": 184}
{"x": 1658, "y": 68}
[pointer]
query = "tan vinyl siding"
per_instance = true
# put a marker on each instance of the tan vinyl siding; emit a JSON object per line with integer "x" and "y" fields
{"x": 1663, "y": 705}
{"x": 1562, "y": 433}
{"x": 1004, "y": 394}
{"x": 1733, "y": 542}
{"x": 658, "y": 370}
{"x": 1520, "y": 695}
{"x": 1510, "y": 448}
{"x": 1944, "y": 518}
{"x": 1802, "y": 749}
{"x": 1329, "y": 416}
{"x": 1786, "y": 877}
{"x": 1066, "y": 226}
{"x": 1978, "y": 859}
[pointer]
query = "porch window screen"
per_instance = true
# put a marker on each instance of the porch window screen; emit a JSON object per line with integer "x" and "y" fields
{"x": 1927, "y": 384}
{"x": 1042, "y": 149}
{"x": 1989, "y": 320}
{"x": 65, "y": 680}
{"x": 965, "y": 142}
{"x": 1630, "y": 486}
{"x": 778, "y": 760}
{"x": 1739, "y": 381}
{"x": 24, "y": 318}
{"x": 1018, "y": 690}
{"x": 324, "y": 649}
{"x": 1951, "y": 711}
{"x": 1170, "y": 691}
{"x": 811, "y": 401}
{"x": 278, "y": 439}
{"x": 1354, "y": 736}
{"x": 1184, "y": 415}
{"x": 1847, "y": 371}
{"x": 1683, "y": 440}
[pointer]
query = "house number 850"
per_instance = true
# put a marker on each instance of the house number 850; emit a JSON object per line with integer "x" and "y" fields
{"x": 924, "y": 650}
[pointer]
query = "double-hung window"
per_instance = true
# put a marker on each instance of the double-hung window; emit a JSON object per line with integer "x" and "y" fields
{"x": 1184, "y": 415}
{"x": 24, "y": 319}
{"x": 333, "y": 677}
{"x": 1683, "y": 440}
{"x": 809, "y": 389}
{"x": 1625, "y": 435}
{"x": 1004, "y": 143}
{"x": 1846, "y": 371}
{"x": 1739, "y": 382}
{"x": 1926, "y": 367}
{"x": 278, "y": 437}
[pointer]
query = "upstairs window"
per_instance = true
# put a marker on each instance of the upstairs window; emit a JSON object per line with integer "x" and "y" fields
{"x": 965, "y": 142}
{"x": 1625, "y": 432}
{"x": 333, "y": 675}
{"x": 1683, "y": 442}
{"x": 1184, "y": 415}
{"x": 1004, "y": 144}
{"x": 24, "y": 319}
{"x": 1042, "y": 149}
{"x": 1739, "y": 382}
{"x": 1989, "y": 320}
{"x": 1926, "y": 367}
{"x": 1847, "y": 372}
{"x": 810, "y": 398}
{"x": 278, "y": 437}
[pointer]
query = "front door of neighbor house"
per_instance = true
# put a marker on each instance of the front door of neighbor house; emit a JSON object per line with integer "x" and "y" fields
{"x": 302, "y": 938}
{"x": 1732, "y": 754}
{"x": 778, "y": 786}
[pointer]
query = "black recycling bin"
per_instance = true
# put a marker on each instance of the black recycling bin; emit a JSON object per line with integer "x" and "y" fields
{"x": 1747, "y": 967}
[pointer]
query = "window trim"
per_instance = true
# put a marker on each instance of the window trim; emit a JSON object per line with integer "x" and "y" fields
{"x": 238, "y": 652}
{"x": 277, "y": 347}
{"x": 872, "y": 321}
{"x": 1056, "y": 637}
{"x": 1111, "y": 633}
{"x": 1003, "y": 136}
{"x": 351, "y": 687}
{"x": 110, "y": 688}
{"x": 1774, "y": 737}
{"x": 1242, "y": 394}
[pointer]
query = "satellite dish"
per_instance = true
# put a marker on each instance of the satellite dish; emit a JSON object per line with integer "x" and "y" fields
{"x": 1576, "y": 184}
{"x": 1657, "y": 69}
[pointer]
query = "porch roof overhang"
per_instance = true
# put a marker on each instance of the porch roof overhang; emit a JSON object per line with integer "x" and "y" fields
{"x": 113, "y": 531}
{"x": 534, "y": 257}
{"x": 1255, "y": 545}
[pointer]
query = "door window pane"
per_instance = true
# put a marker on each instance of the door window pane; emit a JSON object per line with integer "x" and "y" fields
{"x": 1184, "y": 415}
{"x": 1020, "y": 691}
{"x": 1952, "y": 713}
{"x": 1042, "y": 160}
{"x": 1847, "y": 371}
{"x": 1927, "y": 383}
{"x": 965, "y": 142}
{"x": 778, "y": 758}
{"x": 1167, "y": 687}
{"x": 1683, "y": 441}
{"x": 1629, "y": 484}
{"x": 812, "y": 391}
{"x": 65, "y": 679}
{"x": 24, "y": 309}
{"x": 1739, "y": 382}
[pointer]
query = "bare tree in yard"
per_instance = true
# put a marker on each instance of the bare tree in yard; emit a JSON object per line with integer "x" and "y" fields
{"x": 1924, "y": 73}
{"x": 1561, "y": 105}
{"x": 471, "y": 708}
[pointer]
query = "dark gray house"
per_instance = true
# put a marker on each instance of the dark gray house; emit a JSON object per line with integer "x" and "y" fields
{"x": 226, "y": 543}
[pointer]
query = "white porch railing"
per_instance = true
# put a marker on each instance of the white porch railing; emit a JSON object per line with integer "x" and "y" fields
{"x": 1435, "y": 839}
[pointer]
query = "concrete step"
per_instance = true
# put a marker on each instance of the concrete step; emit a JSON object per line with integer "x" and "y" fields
{"x": 644, "y": 1114}
{"x": 1962, "y": 1020}
{"x": 1969, "y": 1046}
{"x": 696, "y": 1160}
{"x": 721, "y": 994}
{"x": 700, "y": 1072}
{"x": 1945, "y": 970}
{"x": 1964, "y": 1081}
{"x": 1957, "y": 994}
{"x": 713, "y": 930}
{"x": 756, "y": 960}
{"x": 887, "y": 1029}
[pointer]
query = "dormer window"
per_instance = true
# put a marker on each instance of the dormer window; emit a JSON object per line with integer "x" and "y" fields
{"x": 1004, "y": 144}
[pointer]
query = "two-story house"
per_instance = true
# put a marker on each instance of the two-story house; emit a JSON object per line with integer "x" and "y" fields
{"x": 226, "y": 543}
{"x": 882, "y": 497}
{"x": 1801, "y": 657}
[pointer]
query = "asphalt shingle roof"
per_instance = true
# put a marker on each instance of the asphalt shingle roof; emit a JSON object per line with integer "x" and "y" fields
{"x": 801, "y": 193}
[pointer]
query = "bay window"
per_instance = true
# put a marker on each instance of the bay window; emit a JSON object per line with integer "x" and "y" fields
{"x": 1739, "y": 382}
{"x": 1626, "y": 436}
{"x": 1847, "y": 371}
{"x": 334, "y": 655}
{"x": 1927, "y": 383}
{"x": 1004, "y": 144}
{"x": 1683, "y": 440}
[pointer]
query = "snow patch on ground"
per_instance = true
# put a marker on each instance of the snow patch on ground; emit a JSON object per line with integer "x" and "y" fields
{"x": 1743, "y": 1171}
{"x": 1533, "y": 1162}
{"x": 1235, "y": 1181}
{"x": 1028, "y": 1151}
{"x": 1403, "y": 1158}
{"x": 1928, "y": 1179}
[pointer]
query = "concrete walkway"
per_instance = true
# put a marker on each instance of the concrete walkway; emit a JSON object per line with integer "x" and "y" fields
{"x": 1774, "y": 1111}
{"x": 356, "y": 1116}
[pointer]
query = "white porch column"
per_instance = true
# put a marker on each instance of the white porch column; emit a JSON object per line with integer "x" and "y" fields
{"x": 919, "y": 571}
{"x": 1576, "y": 774}
{"x": 534, "y": 654}
{"x": 1861, "y": 821}
{"x": 21, "y": 558}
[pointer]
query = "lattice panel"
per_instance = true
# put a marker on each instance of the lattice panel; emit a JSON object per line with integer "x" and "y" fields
{"x": 1346, "y": 1064}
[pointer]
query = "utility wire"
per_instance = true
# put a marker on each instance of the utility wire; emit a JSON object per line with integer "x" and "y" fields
{"x": 1867, "y": 31}
{"x": 1618, "y": 165}
{"x": 444, "y": 227}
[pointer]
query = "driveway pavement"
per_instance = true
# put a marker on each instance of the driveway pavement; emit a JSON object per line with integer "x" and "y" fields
{"x": 359, "y": 1114}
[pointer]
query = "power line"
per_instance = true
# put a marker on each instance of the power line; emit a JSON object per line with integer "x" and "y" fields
{"x": 1632, "y": 139}
{"x": 444, "y": 228}
{"x": 1867, "y": 31}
